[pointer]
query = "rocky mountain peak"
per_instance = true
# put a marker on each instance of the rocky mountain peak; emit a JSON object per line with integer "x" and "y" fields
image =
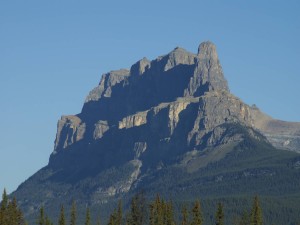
{"x": 208, "y": 73}
{"x": 172, "y": 117}
{"x": 140, "y": 67}
{"x": 178, "y": 56}
{"x": 207, "y": 50}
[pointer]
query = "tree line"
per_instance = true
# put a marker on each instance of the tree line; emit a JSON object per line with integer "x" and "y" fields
{"x": 158, "y": 212}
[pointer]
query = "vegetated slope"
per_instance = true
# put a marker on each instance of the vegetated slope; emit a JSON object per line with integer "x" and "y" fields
{"x": 168, "y": 126}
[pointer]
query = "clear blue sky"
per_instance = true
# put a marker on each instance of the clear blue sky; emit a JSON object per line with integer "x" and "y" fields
{"x": 52, "y": 53}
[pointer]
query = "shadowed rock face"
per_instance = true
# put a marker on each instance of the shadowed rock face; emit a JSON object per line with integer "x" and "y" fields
{"x": 124, "y": 97}
{"x": 121, "y": 94}
{"x": 176, "y": 110}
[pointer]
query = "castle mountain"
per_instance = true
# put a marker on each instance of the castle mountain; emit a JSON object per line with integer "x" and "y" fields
{"x": 168, "y": 126}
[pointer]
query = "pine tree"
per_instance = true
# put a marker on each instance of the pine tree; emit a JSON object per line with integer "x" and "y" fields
{"x": 112, "y": 218}
{"x": 41, "y": 220}
{"x": 168, "y": 214}
{"x": 62, "y": 220}
{"x": 184, "y": 214}
{"x": 13, "y": 215}
{"x": 4, "y": 201}
{"x": 161, "y": 212}
{"x": 256, "y": 217}
{"x": 197, "y": 218}
{"x": 151, "y": 216}
{"x": 10, "y": 214}
{"x": 73, "y": 214}
{"x": 48, "y": 221}
{"x": 136, "y": 215}
{"x": 244, "y": 218}
{"x": 158, "y": 207}
{"x": 87, "y": 217}
{"x": 119, "y": 215}
{"x": 3, "y": 209}
{"x": 220, "y": 215}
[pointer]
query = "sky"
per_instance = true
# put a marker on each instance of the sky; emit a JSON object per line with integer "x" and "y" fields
{"x": 52, "y": 53}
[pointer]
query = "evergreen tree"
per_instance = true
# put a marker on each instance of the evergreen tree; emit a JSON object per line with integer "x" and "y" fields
{"x": 3, "y": 209}
{"x": 220, "y": 215}
{"x": 13, "y": 215}
{"x": 10, "y": 214}
{"x": 184, "y": 214}
{"x": 4, "y": 201}
{"x": 156, "y": 215}
{"x": 256, "y": 217}
{"x": 197, "y": 218}
{"x": 151, "y": 216}
{"x": 112, "y": 218}
{"x": 161, "y": 212}
{"x": 168, "y": 214}
{"x": 73, "y": 216}
{"x": 87, "y": 217}
{"x": 41, "y": 220}
{"x": 244, "y": 218}
{"x": 48, "y": 221}
{"x": 136, "y": 215}
{"x": 119, "y": 215}
{"x": 62, "y": 220}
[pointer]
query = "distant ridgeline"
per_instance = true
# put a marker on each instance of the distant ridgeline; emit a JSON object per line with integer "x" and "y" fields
{"x": 169, "y": 126}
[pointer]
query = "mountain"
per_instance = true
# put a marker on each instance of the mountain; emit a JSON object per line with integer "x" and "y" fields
{"x": 168, "y": 126}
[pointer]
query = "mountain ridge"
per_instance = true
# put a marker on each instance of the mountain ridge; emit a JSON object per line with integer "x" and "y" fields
{"x": 173, "y": 116}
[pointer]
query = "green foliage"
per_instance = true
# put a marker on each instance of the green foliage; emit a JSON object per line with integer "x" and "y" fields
{"x": 116, "y": 218}
{"x": 87, "y": 217}
{"x": 220, "y": 215}
{"x": 73, "y": 214}
{"x": 48, "y": 221}
{"x": 185, "y": 215}
{"x": 197, "y": 218}
{"x": 10, "y": 214}
{"x": 119, "y": 216}
{"x": 244, "y": 219}
{"x": 112, "y": 219}
{"x": 161, "y": 212}
{"x": 41, "y": 220}
{"x": 256, "y": 213}
{"x": 136, "y": 215}
{"x": 4, "y": 201}
{"x": 62, "y": 220}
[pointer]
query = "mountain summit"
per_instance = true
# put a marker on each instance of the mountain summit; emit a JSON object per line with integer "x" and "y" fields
{"x": 172, "y": 117}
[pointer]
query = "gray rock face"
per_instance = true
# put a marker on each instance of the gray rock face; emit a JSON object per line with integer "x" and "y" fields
{"x": 124, "y": 99}
{"x": 106, "y": 84}
{"x": 208, "y": 74}
{"x": 70, "y": 129}
{"x": 140, "y": 67}
{"x": 282, "y": 134}
{"x": 178, "y": 56}
{"x": 175, "y": 110}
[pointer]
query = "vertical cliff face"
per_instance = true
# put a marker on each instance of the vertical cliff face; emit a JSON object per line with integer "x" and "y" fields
{"x": 121, "y": 94}
{"x": 208, "y": 74}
